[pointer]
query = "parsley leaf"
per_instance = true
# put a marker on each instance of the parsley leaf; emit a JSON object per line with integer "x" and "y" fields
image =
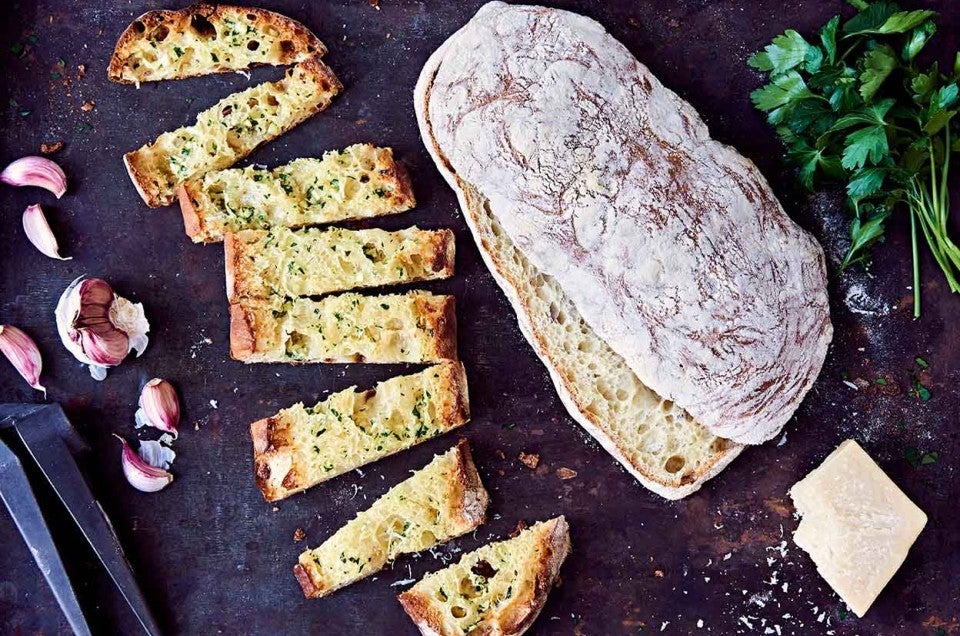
{"x": 854, "y": 109}
{"x": 877, "y": 66}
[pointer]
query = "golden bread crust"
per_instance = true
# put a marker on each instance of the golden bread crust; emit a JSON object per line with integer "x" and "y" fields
{"x": 303, "y": 43}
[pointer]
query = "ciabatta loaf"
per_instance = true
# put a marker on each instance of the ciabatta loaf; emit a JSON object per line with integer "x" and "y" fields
{"x": 314, "y": 262}
{"x": 670, "y": 245}
{"x": 303, "y": 446}
{"x": 208, "y": 38}
{"x": 393, "y": 328}
{"x": 497, "y": 590}
{"x": 360, "y": 181}
{"x": 230, "y": 130}
{"x": 443, "y": 500}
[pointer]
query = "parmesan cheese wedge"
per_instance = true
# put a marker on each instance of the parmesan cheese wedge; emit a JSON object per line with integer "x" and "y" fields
{"x": 857, "y": 525}
{"x": 443, "y": 500}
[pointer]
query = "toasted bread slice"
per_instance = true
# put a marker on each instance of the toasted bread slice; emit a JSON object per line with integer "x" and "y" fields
{"x": 412, "y": 327}
{"x": 303, "y": 446}
{"x": 230, "y": 130}
{"x": 314, "y": 262}
{"x": 498, "y": 589}
{"x": 443, "y": 500}
{"x": 207, "y": 38}
{"x": 360, "y": 181}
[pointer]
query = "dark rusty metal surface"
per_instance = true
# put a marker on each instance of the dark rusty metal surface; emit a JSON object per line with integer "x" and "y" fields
{"x": 214, "y": 558}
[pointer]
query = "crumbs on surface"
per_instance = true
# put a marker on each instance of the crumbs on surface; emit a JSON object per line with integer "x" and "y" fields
{"x": 530, "y": 460}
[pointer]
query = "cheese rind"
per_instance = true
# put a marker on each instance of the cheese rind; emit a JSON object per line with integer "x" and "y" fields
{"x": 314, "y": 262}
{"x": 856, "y": 525}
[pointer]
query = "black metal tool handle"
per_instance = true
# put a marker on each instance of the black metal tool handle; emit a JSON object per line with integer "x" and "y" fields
{"x": 20, "y": 501}
{"x": 53, "y": 457}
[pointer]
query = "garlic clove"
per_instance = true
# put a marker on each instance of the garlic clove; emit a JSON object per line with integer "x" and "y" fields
{"x": 139, "y": 472}
{"x": 23, "y": 354}
{"x": 36, "y": 171}
{"x": 39, "y": 232}
{"x": 159, "y": 406}
{"x": 98, "y": 327}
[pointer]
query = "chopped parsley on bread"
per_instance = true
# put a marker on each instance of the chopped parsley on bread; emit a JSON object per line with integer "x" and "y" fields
{"x": 206, "y": 38}
{"x": 443, "y": 500}
{"x": 413, "y": 327}
{"x": 314, "y": 262}
{"x": 360, "y": 181}
{"x": 498, "y": 589}
{"x": 230, "y": 130}
{"x": 302, "y": 446}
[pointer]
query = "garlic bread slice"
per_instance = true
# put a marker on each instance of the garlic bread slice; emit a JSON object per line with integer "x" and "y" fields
{"x": 359, "y": 181}
{"x": 498, "y": 589}
{"x": 303, "y": 446}
{"x": 413, "y": 327}
{"x": 443, "y": 500}
{"x": 314, "y": 262}
{"x": 207, "y": 38}
{"x": 230, "y": 130}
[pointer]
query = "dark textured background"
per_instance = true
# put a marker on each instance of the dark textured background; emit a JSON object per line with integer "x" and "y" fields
{"x": 214, "y": 558}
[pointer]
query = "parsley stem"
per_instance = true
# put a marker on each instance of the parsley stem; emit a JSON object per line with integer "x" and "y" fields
{"x": 916, "y": 262}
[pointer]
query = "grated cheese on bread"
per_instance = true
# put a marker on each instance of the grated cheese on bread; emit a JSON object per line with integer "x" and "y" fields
{"x": 443, "y": 500}
{"x": 497, "y": 590}
{"x": 360, "y": 181}
{"x": 412, "y": 327}
{"x": 207, "y": 38}
{"x": 314, "y": 262}
{"x": 303, "y": 446}
{"x": 230, "y": 130}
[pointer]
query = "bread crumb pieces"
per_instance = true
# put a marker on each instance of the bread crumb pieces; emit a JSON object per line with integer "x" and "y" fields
{"x": 49, "y": 149}
{"x": 299, "y": 535}
{"x": 88, "y": 106}
{"x": 658, "y": 574}
{"x": 566, "y": 473}
{"x": 276, "y": 508}
{"x": 500, "y": 454}
{"x": 375, "y": 4}
{"x": 81, "y": 71}
{"x": 530, "y": 460}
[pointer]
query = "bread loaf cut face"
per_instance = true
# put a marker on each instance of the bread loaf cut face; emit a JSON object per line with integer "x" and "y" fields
{"x": 669, "y": 244}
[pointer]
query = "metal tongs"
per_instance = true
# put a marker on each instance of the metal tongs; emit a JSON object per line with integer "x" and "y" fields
{"x": 50, "y": 441}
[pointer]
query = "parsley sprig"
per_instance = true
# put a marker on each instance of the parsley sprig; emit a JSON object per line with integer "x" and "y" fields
{"x": 854, "y": 107}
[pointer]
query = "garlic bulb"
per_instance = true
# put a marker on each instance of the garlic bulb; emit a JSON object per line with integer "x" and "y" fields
{"x": 36, "y": 171}
{"x": 98, "y": 327}
{"x": 159, "y": 406}
{"x": 22, "y": 352}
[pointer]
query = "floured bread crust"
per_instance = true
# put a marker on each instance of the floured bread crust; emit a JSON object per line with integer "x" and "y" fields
{"x": 671, "y": 245}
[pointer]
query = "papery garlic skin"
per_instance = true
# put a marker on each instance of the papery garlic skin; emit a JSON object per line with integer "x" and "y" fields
{"x": 98, "y": 327}
{"x": 38, "y": 231}
{"x": 36, "y": 171}
{"x": 159, "y": 406}
{"x": 139, "y": 473}
{"x": 156, "y": 454}
{"x": 23, "y": 354}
